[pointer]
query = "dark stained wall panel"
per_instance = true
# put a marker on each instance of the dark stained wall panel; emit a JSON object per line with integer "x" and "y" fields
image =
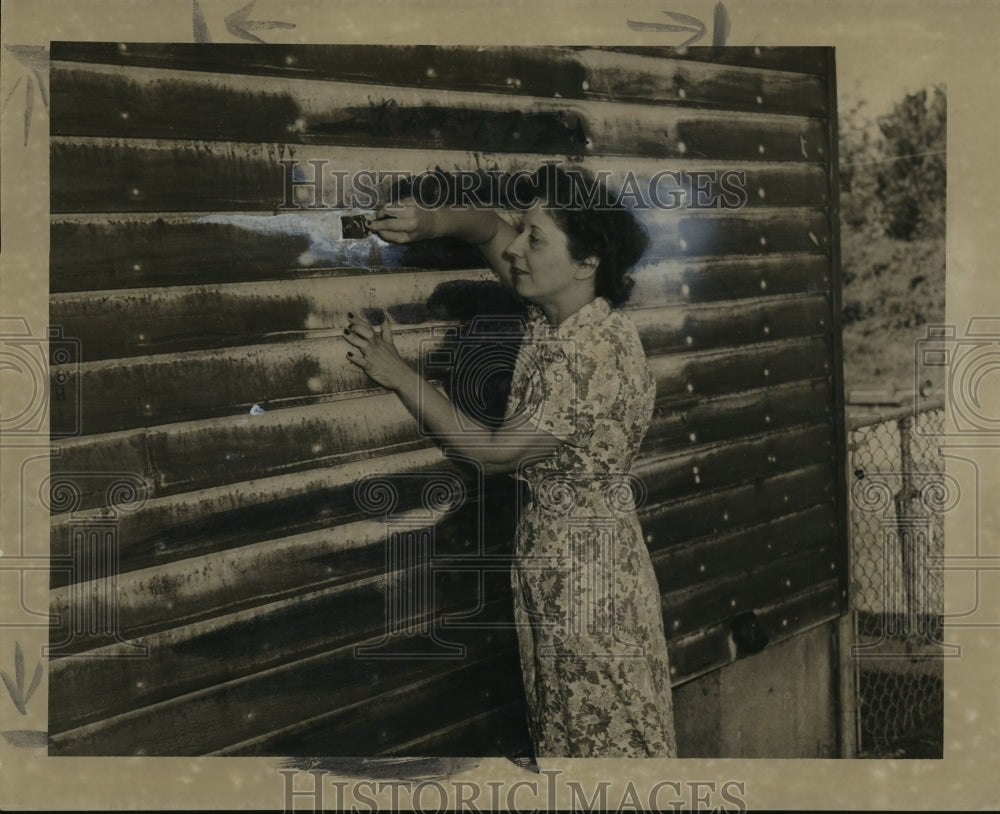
{"x": 659, "y": 76}
{"x": 247, "y": 563}
{"x": 148, "y": 103}
{"x": 183, "y": 457}
{"x": 144, "y": 391}
{"x": 146, "y": 175}
{"x": 181, "y": 318}
{"x": 137, "y": 251}
{"x": 711, "y": 648}
{"x": 266, "y": 701}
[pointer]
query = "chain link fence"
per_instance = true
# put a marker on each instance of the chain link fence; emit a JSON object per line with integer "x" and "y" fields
{"x": 897, "y": 596}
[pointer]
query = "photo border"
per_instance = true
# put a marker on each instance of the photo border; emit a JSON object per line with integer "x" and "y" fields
{"x": 956, "y": 37}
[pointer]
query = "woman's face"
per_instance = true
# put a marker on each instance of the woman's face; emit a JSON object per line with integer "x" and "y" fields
{"x": 542, "y": 269}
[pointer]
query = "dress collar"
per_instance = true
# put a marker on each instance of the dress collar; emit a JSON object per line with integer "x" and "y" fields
{"x": 590, "y": 314}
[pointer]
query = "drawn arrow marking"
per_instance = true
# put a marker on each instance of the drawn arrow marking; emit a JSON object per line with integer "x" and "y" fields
{"x": 240, "y": 25}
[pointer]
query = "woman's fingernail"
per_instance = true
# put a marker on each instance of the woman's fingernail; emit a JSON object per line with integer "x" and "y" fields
{"x": 350, "y": 354}
{"x": 350, "y": 315}
{"x": 347, "y": 330}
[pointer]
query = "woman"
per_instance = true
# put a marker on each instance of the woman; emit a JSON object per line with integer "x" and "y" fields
{"x": 587, "y": 604}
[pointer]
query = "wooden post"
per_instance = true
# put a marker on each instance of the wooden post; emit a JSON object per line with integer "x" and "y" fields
{"x": 849, "y": 723}
{"x": 846, "y": 639}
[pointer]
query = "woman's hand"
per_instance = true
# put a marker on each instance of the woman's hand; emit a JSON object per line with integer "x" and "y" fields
{"x": 497, "y": 450}
{"x": 406, "y": 221}
{"x": 376, "y": 355}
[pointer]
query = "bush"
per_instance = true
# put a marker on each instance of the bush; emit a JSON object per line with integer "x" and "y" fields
{"x": 894, "y": 184}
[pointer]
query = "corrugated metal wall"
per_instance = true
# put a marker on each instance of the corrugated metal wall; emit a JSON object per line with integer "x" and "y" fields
{"x": 251, "y": 561}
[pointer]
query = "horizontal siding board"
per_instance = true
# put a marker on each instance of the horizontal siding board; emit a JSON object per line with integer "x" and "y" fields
{"x": 196, "y": 455}
{"x": 387, "y": 723}
{"x": 137, "y": 251}
{"x": 799, "y": 59}
{"x": 184, "y": 525}
{"x": 219, "y": 716}
{"x": 161, "y": 389}
{"x": 684, "y": 379}
{"x": 670, "y": 523}
{"x": 712, "y": 648}
{"x": 222, "y": 516}
{"x": 166, "y": 388}
{"x": 676, "y": 329}
{"x": 742, "y": 414}
{"x": 86, "y": 472}
{"x": 691, "y": 655}
{"x": 353, "y": 556}
{"x": 571, "y": 73}
{"x": 311, "y": 59}
{"x": 194, "y": 657}
{"x": 751, "y": 458}
{"x": 702, "y": 561}
{"x": 753, "y": 233}
{"x": 138, "y": 322}
{"x": 197, "y": 588}
{"x": 113, "y": 252}
{"x": 729, "y": 278}
{"x": 142, "y": 175}
{"x": 739, "y": 592}
{"x": 193, "y": 455}
{"x": 118, "y": 177}
{"x": 503, "y": 728}
{"x": 640, "y": 79}
{"x": 212, "y": 106}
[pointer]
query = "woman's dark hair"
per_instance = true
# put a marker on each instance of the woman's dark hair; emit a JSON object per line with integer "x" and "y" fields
{"x": 595, "y": 224}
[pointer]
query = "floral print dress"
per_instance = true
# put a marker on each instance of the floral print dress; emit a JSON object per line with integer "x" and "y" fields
{"x": 587, "y": 603}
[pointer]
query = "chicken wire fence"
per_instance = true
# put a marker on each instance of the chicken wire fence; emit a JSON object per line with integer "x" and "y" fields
{"x": 897, "y": 593}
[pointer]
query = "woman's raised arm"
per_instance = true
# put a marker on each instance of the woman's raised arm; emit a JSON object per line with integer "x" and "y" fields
{"x": 407, "y": 221}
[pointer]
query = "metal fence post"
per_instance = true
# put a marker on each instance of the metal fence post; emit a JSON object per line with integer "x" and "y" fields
{"x": 913, "y": 527}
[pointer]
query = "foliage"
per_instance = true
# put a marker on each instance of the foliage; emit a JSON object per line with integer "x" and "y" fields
{"x": 892, "y": 174}
{"x": 913, "y": 186}
{"x": 892, "y": 290}
{"x": 893, "y": 180}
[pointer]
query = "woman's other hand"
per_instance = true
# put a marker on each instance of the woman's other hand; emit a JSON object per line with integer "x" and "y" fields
{"x": 376, "y": 354}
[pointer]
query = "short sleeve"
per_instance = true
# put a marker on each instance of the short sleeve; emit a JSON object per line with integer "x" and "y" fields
{"x": 567, "y": 386}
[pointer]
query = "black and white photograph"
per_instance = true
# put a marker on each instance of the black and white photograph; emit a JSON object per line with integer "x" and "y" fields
{"x": 414, "y": 408}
